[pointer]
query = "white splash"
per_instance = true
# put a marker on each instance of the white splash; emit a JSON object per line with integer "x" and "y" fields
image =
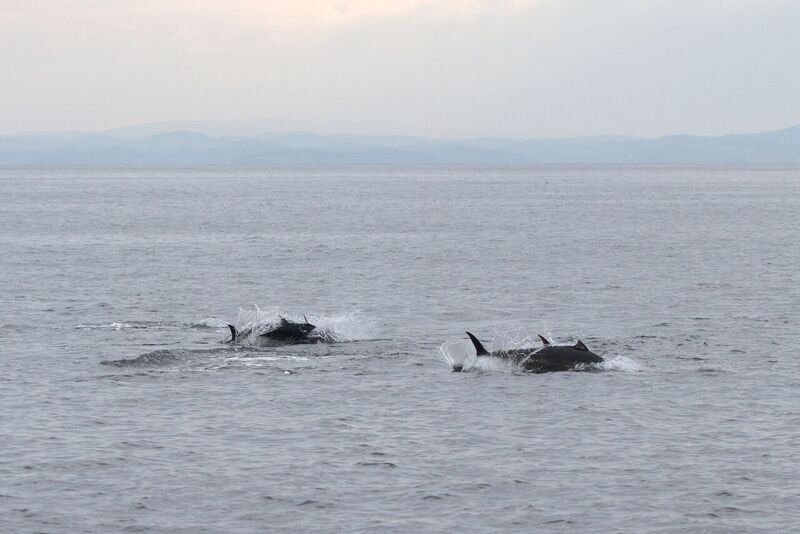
{"x": 456, "y": 352}
{"x": 345, "y": 326}
{"x": 620, "y": 363}
{"x": 490, "y": 363}
{"x": 513, "y": 339}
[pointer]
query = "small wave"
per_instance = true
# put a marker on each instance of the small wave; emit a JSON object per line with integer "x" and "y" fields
{"x": 164, "y": 357}
{"x": 121, "y": 325}
{"x": 257, "y": 361}
{"x": 207, "y": 359}
{"x": 156, "y": 357}
{"x": 713, "y": 371}
{"x": 109, "y": 326}
{"x": 388, "y": 465}
{"x": 208, "y": 322}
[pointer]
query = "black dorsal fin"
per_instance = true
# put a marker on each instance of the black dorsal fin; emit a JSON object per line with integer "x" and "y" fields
{"x": 283, "y": 320}
{"x": 544, "y": 340}
{"x": 478, "y": 347}
{"x": 233, "y": 333}
{"x": 580, "y": 346}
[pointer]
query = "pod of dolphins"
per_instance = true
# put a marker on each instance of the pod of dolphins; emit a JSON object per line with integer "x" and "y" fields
{"x": 545, "y": 359}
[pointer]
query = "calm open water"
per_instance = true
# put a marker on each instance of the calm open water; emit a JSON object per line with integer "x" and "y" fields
{"x": 121, "y": 409}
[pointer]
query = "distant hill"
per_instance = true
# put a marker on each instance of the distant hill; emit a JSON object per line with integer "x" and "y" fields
{"x": 194, "y": 148}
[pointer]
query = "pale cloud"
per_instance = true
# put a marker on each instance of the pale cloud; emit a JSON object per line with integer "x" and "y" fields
{"x": 524, "y": 68}
{"x": 320, "y": 14}
{"x": 195, "y": 21}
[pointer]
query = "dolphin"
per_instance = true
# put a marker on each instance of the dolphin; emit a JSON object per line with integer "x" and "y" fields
{"x": 544, "y": 359}
{"x": 284, "y": 332}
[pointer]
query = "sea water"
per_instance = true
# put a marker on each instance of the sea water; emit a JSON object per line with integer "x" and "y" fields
{"x": 123, "y": 409}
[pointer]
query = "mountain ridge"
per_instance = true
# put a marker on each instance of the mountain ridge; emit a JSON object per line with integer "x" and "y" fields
{"x": 184, "y": 147}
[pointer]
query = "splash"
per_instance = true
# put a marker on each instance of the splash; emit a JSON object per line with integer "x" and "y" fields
{"x": 456, "y": 352}
{"x": 347, "y": 326}
{"x": 257, "y": 316}
{"x": 515, "y": 338}
{"x": 488, "y": 363}
{"x": 459, "y": 354}
{"x": 619, "y": 363}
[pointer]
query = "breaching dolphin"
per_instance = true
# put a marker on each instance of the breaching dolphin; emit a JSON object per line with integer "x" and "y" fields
{"x": 284, "y": 332}
{"x": 542, "y": 360}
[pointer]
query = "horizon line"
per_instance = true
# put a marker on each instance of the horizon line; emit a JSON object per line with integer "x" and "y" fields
{"x": 173, "y": 127}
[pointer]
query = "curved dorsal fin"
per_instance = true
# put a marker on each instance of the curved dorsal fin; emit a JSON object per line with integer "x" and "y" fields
{"x": 544, "y": 340}
{"x": 478, "y": 347}
{"x": 580, "y": 346}
{"x": 233, "y": 333}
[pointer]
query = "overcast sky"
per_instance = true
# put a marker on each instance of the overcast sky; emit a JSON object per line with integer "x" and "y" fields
{"x": 451, "y": 68}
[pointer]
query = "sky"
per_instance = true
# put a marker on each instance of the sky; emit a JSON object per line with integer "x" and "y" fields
{"x": 442, "y": 68}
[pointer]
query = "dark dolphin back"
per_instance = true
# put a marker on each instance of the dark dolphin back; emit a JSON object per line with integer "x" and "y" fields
{"x": 565, "y": 353}
{"x": 590, "y": 356}
{"x": 558, "y": 358}
{"x": 289, "y": 330}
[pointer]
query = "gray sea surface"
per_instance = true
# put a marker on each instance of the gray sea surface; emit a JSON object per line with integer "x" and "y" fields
{"x": 123, "y": 410}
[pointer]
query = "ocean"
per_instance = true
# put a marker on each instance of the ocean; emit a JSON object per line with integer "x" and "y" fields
{"x": 122, "y": 409}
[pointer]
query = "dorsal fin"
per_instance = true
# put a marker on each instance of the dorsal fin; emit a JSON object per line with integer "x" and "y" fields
{"x": 478, "y": 347}
{"x": 283, "y": 320}
{"x": 233, "y": 333}
{"x": 544, "y": 340}
{"x": 580, "y": 346}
